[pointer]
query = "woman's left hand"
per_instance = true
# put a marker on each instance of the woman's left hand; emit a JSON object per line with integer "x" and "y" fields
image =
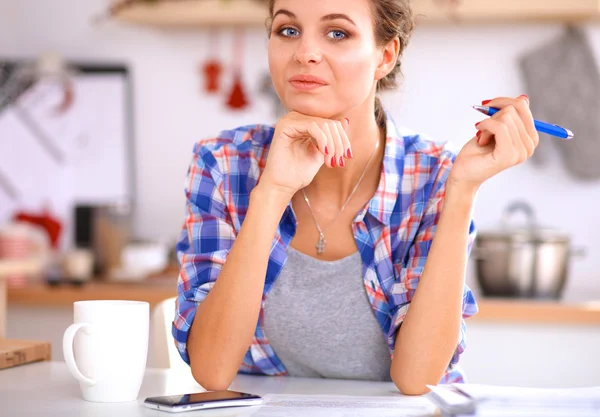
{"x": 503, "y": 140}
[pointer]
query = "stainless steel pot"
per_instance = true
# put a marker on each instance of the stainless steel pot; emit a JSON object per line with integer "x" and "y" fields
{"x": 529, "y": 261}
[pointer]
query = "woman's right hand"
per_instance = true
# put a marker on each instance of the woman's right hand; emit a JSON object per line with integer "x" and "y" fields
{"x": 301, "y": 145}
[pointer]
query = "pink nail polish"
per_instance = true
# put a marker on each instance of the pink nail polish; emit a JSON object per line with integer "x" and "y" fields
{"x": 332, "y": 161}
{"x": 349, "y": 153}
{"x": 326, "y": 150}
{"x": 348, "y": 120}
{"x": 342, "y": 161}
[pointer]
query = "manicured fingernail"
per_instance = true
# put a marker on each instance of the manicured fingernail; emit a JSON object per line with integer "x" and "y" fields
{"x": 349, "y": 153}
{"x": 332, "y": 161}
{"x": 479, "y": 136}
{"x": 342, "y": 161}
{"x": 477, "y": 124}
{"x": 525, "y": 97}
{"x": 484, "y": 102}
{"x": 347, "y": 120}
{"x": 326, "y": 150}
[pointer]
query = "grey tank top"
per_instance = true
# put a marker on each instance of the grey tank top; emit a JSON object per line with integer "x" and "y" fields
{"x": 320, "y": 322}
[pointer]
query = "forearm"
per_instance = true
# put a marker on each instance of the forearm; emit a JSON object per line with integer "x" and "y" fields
{"x": 429, "y": 334}
{"x": 226, "y": 320}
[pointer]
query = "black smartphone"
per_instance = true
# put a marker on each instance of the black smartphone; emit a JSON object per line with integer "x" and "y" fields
{"x": 202, "y": 401}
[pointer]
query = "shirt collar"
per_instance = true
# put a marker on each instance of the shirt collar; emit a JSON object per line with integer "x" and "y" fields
{"x": 384, "y": 200}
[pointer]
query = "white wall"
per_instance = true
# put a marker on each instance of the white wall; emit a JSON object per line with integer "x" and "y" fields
{"x": 447, "y": 69}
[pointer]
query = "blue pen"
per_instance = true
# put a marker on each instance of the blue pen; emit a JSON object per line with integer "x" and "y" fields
{"x": 554, "y": 130}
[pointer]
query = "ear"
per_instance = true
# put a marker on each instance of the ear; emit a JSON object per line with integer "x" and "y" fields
{"x": 389, "y": 56}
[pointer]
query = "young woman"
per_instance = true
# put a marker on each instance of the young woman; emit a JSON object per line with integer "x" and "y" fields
{"x": 333, "y": 245}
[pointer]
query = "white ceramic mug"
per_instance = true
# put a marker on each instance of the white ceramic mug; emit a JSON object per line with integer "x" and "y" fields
{"x": 111, "y": 346}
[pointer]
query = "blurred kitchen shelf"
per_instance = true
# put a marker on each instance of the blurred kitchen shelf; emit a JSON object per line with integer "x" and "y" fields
{"x": 191, "y": 13}
{"x": 40, "y": 294}
{"x": 196, "y": 13}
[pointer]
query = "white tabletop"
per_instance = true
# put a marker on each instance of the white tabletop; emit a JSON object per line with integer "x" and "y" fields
{"x": 48, "y": 389}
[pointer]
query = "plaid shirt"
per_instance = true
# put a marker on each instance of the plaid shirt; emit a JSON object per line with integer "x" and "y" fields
{"x": 393, "y": 232}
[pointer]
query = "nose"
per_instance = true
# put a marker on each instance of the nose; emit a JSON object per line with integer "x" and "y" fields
{"x": 308, "y": 52}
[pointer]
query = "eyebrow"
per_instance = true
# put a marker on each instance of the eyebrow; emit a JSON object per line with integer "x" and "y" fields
{"x": 326, "y": 18}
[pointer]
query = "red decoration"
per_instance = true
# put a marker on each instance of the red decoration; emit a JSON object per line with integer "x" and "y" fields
{"x": 52, "y": 226}
{"x": 212, "y": 75}
{"x": 237, "y": 97}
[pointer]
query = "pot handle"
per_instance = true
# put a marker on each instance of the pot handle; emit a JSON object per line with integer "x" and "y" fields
{"x": 521, "y": 206}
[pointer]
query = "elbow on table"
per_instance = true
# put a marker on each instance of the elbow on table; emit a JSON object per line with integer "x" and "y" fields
{"x": 410, "y": 386}
{"x": 211, "y": 379}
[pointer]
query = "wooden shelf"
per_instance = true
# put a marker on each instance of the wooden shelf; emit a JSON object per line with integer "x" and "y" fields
{"x": 538, "y": 312}
{"x": 196, "y": 13}
{"x": 154, "y": 291}
{"x": 42, "y": 295}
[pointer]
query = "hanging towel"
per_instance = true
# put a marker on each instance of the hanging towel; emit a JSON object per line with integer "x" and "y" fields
{"x": 563, "y": 84}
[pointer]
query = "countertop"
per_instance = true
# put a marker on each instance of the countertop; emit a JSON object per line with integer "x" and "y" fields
{"x": 156, "y": 290}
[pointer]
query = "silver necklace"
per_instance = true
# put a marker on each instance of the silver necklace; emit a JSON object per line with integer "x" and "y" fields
{"x": 321, "y": 242}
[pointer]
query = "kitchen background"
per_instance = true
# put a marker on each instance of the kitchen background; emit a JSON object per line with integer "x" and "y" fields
{"x": 447, "y": 69}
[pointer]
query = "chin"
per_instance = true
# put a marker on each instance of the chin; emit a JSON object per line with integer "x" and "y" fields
{"x": 313, "y": 106}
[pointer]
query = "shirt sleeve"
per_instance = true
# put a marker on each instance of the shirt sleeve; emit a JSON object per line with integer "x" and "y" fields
{"x": 203, "y": 245}
{"x": 404, "y": 289}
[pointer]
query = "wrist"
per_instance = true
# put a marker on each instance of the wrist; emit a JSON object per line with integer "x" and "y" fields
{"x": 272, "y": 196}
{"x": 460, "y": 194}
{"x": 464, "y": 189}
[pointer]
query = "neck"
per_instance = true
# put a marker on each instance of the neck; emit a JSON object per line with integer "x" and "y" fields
{"x": 366, "y": 139}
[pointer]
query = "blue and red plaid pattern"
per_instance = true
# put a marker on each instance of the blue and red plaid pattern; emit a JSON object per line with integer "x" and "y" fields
{"x": 393, "y": 231}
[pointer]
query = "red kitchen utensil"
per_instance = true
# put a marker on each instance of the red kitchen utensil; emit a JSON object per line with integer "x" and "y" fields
{"x": 212, "y": 68}
{"x": 237, "y": 98}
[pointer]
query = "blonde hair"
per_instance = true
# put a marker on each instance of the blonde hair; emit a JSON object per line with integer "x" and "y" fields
{"x": 391, "y": 19}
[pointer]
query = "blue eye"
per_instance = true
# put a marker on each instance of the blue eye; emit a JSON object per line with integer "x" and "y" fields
{"x": 337, "y": 35}
{"x": 288, "y": 32}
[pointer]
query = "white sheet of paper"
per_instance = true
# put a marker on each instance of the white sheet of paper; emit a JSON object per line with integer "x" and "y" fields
{"x": 288, "y": 405}
{"x": 520, "y": 401}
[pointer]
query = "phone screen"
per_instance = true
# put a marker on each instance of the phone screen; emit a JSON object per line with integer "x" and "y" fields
{"x": 200, "y": 397}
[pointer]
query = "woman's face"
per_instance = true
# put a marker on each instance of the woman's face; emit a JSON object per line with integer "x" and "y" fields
{"x": 322, "y": 55}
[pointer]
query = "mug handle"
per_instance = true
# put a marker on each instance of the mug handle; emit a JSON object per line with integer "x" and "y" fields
{"x": 68, "y": 338}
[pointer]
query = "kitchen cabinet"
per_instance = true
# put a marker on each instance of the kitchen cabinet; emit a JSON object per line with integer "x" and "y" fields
{"x": 510, "y": 341}
{"x": 196, "y": 13}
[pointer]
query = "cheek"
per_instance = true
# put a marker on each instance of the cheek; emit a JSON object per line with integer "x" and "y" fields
{"x": 277, "y": 63}
{"x": 355, "y": 68}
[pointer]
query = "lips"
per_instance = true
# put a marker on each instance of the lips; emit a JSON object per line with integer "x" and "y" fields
{"x": 307, "y": 82}
{"x": 309, "y": 79}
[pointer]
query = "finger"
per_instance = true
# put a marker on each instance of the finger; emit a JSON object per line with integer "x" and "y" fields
{"x": 524, "y": 111}
{"x": 501, "y": 102}
{"x": 346, "y": 151}
{"x": 331, "y": 158}
{"x": 525, "y": 141}
{"x": 319, "y": 137}
{"x": 505, "y": 152}
{"x": 506, "y": 116}
{"x": 347, "y": 145}
{"x": 520, "y": 137}
{"x": 339, "y": 148}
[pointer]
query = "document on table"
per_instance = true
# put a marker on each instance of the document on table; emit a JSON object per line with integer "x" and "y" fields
{"x": 289, "y": 405}
{"x": 499, "y": 401}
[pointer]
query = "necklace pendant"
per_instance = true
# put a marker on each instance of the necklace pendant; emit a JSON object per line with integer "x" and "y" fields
{"x": 321, "y": 244}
